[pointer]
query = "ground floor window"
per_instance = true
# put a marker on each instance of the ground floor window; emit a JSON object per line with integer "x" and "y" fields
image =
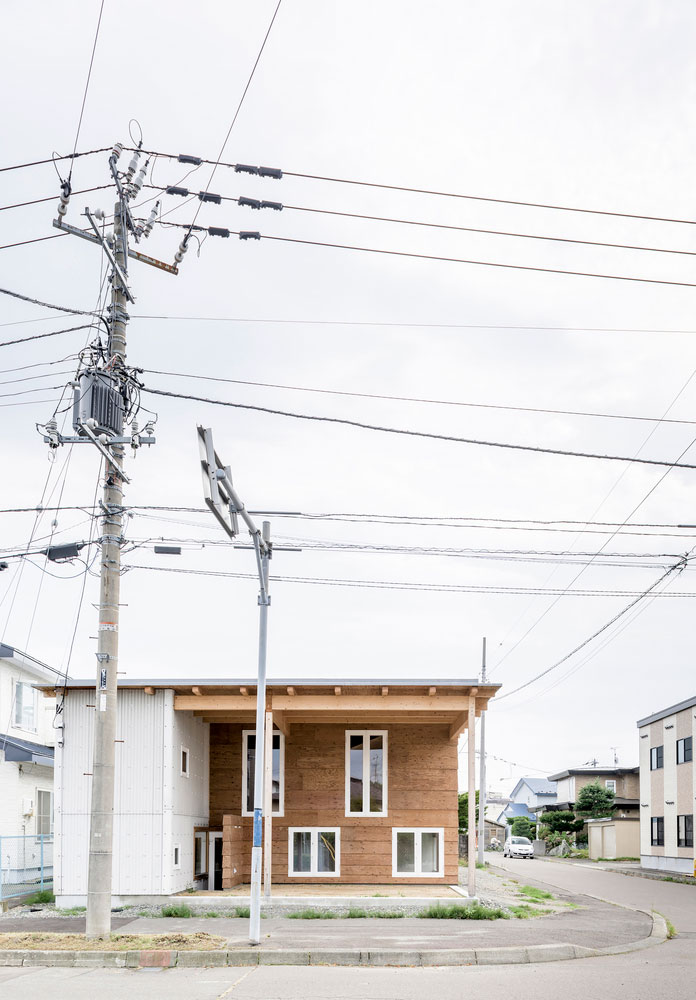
{"x": 314, "y": 851}
{"x": 685, "y": 830}
{"x": 418, "y": 851}
{"x": 44, "y": 812}
{"x": 200, "y": 853}
{"x": 657, "y": 831}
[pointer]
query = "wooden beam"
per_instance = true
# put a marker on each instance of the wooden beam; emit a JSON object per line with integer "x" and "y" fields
{"x": 459, "y": 725}
{"x": 197, "y": 691}
{"x": 245, "y": 718}
{"x": 231, "y": 702}
{"x": 363, "y": 720}
{"x": 282, "y": 722}
{"x": 354, "y": 702}
{"x": 149, "y": 690}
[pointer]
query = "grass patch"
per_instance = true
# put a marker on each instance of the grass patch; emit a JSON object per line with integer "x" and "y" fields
{"x": 456, "y": 911}
{"x": 533, "y": 893}
{"x": 671, "y": 929}
{"x": 379, "y": 895}
{"x": 525, "y": 912}
{"x": 177, "y": 910}
{"x": 210, "y": 914}
{"x": 243, "y": 911}
{"x": 115, "y": 942}
{"x": 72, "y": 911}
{"x": 572, "y": 906}
{"x": 480, "y": 864}
{"x": 618, "y": 859}
{"x": 143, "y": 913}
{"x": 311, "y": 914}
{"x": 45, "y": 896}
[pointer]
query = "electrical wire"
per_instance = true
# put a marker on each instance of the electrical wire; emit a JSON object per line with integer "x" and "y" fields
{"x": 420, "y": 434}
{"x": 239, "y": 108}
{"x": 38, "y": 239}
{"x": 47, "y": 305}
{"x": 54, "y": 159}
{"x": 51, "y": 197}
{"x": 84, "y": 96}
{"x": 677, "y": 566}
{"x": 415, "y": 399}
{"x": 42, "y": 336}
{"x": 448, "y": 260}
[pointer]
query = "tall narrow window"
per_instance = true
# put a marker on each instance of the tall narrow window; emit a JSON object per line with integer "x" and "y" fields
{"x": 366, "y": 772}
{"x": 610, "y": 784}
{"x": 685, "y": 750}
{"x": 418, "y": 852}
{"x": 314, "y": 851}
{"x": 657, "y": 831}
{"x": 44, "y": 812}
{"x": 685, "y": 830}
{"x": 25, "y": 707}
{"x": 656, "y": 758}
{"x": 249, "y": 772}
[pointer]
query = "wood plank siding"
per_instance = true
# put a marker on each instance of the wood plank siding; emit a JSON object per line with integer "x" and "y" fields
{"x": 422, "y": 792}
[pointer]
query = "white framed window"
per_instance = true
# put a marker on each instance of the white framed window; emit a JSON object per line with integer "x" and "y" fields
{"x": 44, "y": 812}
{"x": 418, "y": 851}
{"x": 610, "y": 784}
{"x": 177, "y": 855}
{"x": 314, "y": 851}
{"x": 366, "y": 772}
{"x": 25, "y": 706}
{"x": 184, "y": 762}
{"x": 200, "y": 853}
{"x": 249, "y": 770}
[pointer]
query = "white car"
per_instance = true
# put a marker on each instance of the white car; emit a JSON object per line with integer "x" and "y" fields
{"x": 518, "y": 847}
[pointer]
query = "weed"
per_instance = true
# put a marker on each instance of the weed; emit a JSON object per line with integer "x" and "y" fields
{"x": 572, "y": 906}
{"x": 243, "y": 911}
{"x": 457, "y": 911}
{"x": 531, "y": 892}
{"x": 386, "y": 914}
{"x": 45, "y": 896}
{"x": 481, "y": 864}
{"x": 143, "y": 913}
{"x": 524, "y": 912}
{"x": 379, "y": 895}
{"x": 71, "y": 911}
{"x": 177, "y": 910}
{"x": 355, "y": 913}
{"x": 671, "y": 929}
{"x": 311, "y": 914}
{"x": 211, "y": 913}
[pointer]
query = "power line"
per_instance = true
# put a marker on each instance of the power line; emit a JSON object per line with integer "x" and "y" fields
{"x": 54, "y": 159}
{"x": 420, "y": 434}
{"x": 440, "y": 257}
{"x": 51, "y": 197}
{"x": 42, "y": 336}
{"x": 48, "y": 305}
{"x": 239, "y": 108}
{"x": 37, "y": 239}
{"x": 677, "y": 566}
{"x": 443, "y": 194}
{"x": 395, "y": 585}
{"x": 414, "y": 399}
{"x": 84, "y": 96}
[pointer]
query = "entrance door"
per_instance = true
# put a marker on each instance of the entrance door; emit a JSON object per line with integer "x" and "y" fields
{"x": 215, "y": 860}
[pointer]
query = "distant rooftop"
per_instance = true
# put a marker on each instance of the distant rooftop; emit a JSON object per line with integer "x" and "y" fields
{"x": 608, "y": 769}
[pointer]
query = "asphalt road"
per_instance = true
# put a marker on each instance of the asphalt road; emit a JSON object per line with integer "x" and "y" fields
{"x": 666, "y": 972}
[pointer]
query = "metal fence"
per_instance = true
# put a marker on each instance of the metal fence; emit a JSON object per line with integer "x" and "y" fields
{"x": 26, "y": 865}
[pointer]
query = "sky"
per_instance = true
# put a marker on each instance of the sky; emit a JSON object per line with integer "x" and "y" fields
{"x": 589, "y": 106}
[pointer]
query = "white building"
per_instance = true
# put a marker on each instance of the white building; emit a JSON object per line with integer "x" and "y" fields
{"x": 668, "y": 789}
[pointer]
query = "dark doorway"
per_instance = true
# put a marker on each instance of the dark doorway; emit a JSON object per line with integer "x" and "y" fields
{"x": 217, "y": 866}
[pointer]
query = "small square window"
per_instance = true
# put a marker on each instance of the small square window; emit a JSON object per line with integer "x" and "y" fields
{"x": 314, "y": 852}
{"x": 185, "y": 757}
{"x": 610, "y": 785}
{"x": 418, "y": 852}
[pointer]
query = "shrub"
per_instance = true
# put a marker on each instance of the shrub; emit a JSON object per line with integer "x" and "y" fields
{"x": 177, "y": 910}
{"x": 242, "y": 911}
{"x": 44, "y": 896}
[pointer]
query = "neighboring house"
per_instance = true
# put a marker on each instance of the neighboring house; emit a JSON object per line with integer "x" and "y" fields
{"x": 528, "y": 795}
{"x": 26, "y": 771}
{"x": 363, "y": 783}
{"x": 623, "y": 781}
{"x": 668, "y": 789}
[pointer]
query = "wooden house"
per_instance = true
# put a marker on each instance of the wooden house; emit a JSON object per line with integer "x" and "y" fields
{"x": 361, "y": 782}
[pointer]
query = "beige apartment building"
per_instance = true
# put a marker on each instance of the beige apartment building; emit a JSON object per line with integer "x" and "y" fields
{"x": 668, "y": 789}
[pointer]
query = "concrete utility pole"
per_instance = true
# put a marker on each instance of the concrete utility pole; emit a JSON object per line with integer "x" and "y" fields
{"x": 482, "y": 775}
{"x": 102, "y": 807}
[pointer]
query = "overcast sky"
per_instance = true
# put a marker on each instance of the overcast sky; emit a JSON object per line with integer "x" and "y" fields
{"x": 589, "y": 105}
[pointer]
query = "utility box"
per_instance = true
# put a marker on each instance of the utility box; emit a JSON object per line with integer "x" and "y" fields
{"x": 97, "y": 398}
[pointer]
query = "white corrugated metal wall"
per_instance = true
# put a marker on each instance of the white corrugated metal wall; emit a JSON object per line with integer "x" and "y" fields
{"x": 155, "y": 806}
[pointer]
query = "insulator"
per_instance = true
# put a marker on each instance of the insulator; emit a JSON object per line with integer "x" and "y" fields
{"x": 64, "y": 199}
{"x": 117, "y": 150}
{"x": 132, "y": 166}
{"x": 183, "y": 247}
{"x": 139, "y": 180}
{"x": 147, "y": 228}
{"x": 98, "y": 213}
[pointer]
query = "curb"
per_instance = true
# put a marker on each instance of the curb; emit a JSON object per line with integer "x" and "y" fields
{"x": 528, "y": 955}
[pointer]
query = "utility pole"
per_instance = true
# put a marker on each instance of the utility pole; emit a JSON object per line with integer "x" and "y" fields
{"x": 105, "y": 399}
{"x": 482, "y": 777}
{"x": 223, "y": 500}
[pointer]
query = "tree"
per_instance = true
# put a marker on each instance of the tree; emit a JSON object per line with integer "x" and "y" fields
{"x": 561, "y": 821}
{"x": 464, "y": 811}
{"x": 521, "y": 826}
{"x": 595, "y": 802}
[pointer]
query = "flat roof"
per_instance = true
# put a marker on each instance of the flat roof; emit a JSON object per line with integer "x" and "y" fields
{"x": 609, "y": 769}
{"x": 672, "y": 710}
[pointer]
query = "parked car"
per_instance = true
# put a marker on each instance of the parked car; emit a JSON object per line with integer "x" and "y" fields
{"x": 518, "y": 847}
